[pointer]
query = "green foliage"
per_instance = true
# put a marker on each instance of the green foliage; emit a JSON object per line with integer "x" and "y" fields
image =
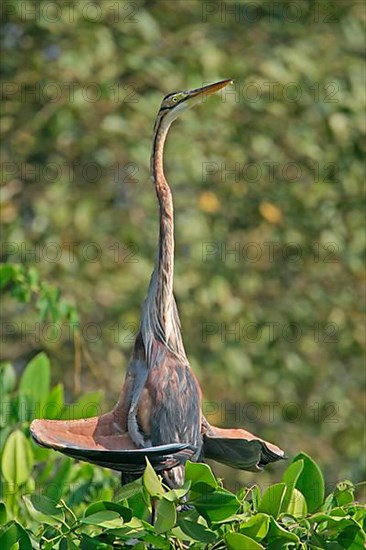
{"x": 30, "y": 470}
{"x": 55, "y": 503}
{"x": 187, "y": 521}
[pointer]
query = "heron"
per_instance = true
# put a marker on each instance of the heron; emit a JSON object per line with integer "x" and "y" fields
{"x": 158, "y": 415}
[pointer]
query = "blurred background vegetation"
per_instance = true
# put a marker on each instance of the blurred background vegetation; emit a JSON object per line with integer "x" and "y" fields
{"x": 272, "y": 170}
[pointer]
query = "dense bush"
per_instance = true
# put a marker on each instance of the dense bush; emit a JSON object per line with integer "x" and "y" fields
{"x": 54, "y": 503}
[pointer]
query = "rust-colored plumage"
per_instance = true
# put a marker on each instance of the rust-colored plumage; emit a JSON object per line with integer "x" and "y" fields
{"x": 158, "y": 414}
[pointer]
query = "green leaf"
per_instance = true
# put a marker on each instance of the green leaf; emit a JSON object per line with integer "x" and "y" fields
{"x": 199, "y": 474}
{"x": 95, "y": 507}
{"x": 237, "y": 541}
{"x": 310, "y": 482}
{"x": 54, "y": 403}
{"x": 105, "y": 518}
{"x": 290, "y": 477}
{"x": 130, "y": 489}
{"x": 17, "y": 459}
{"x": 44, "y": 510}
{"x": 7, "y": 378}
{"x": 196, "y": 531}
{"x": 175, "y": 495}
{"x": 35, "y": 381}
{"x": 151, "y": 481}
{"x": 217, "y": 505}
{"x": 14, "y": 534}
{"x": 139, "y": 504}
{"x": 256, "y": 527}
{"x": 276, "y": 532}
{"x": 272, "y": 500}
{"x": 352, "y": 538}
{"x": 165, "y": 516}
{"x": 297, "y": 505}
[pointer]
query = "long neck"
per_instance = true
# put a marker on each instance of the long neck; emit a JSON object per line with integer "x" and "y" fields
{"x": 164, "y": 269}
{"x": 160, "y": 319}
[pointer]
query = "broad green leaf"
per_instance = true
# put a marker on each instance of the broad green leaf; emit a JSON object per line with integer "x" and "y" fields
{"x": 95, "y": 507}
{"x": 17, "y": 459}
{"x": 198, "y": 473}
{"x": 272, "y": 500}
{"x": 105, "y": 518}
{"x": 151, "y": 481}
{"x": 310, "y": 482}
{"x": 352, "y": 537}
{"x": 165, "y": 516}
{"x": 54, "y": 403}
{"x": 175, "y": 495}
{"x": 130, "y": 489}
{"x": 297, "y": 505}
{"x": 277, "y": 532}
{"x": 256, "y": 527}
{"x": 139, "y": 504}
{"x": 7, "y": 378}
{"x": 217, "y": 505}
{"x": 237, "y": 541}
{"x": 290, "y": 477}
{"x": 14, "y": 534}
{"x": 292, "y": 473}
{"x": 35, "y": 381}
{"x": 44, "y": 510}
{"x": 196, "y": 531}
{"x": 131, "y": 528}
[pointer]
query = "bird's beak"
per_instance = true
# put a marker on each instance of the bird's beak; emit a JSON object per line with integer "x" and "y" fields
{"x": 210, "y": 89}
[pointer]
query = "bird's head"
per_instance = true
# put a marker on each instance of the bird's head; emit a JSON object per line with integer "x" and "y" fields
{"x": 176, "y": 103}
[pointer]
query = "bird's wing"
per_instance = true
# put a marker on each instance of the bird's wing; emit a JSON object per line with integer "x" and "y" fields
{"x": 238, "y": 448}
{"x": 99, "y": 441}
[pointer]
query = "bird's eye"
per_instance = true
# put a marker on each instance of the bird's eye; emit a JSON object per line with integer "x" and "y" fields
{"x": 174, "y": 99}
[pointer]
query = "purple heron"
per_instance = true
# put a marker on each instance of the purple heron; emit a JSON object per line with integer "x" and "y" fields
{"x": 158, "y": 414}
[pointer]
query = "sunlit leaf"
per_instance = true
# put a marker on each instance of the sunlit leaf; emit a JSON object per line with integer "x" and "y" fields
{"x": 310, "y": 482}
{"x": 17, "y": 459}
{"x": 14, "y": 537}
{"x": 43, "y": 510}
{"x": 35, "y": 381}
{"x": 151, "y": 481}
{"x": 256, "y": 527}
{"x": 165, "y": 516}
{"x": 237, "y": 541}
{"x": 217, "y": 505}
{"x": 199, "y": 474}
{"x": 272, "y": 500}
{"x": 196, "y": 531}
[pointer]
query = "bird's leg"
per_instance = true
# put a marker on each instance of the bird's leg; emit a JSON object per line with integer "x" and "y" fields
{"x": 133, "y": 427}
{"x": 141, "y": 373}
